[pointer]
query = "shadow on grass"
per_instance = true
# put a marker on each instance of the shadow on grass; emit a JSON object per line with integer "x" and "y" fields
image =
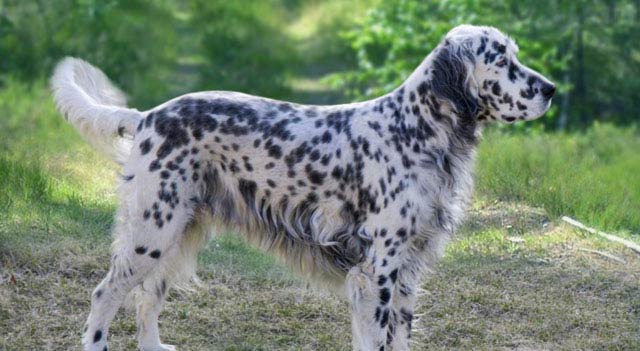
{"x": 229, "y": 258}
{"x": 40, "y": 220}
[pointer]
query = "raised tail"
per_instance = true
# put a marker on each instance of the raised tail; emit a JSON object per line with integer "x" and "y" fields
{"x": 95, "y": 107}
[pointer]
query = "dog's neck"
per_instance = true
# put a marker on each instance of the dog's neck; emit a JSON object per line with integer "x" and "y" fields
{"x": 440, "y": 142}
{"x": 417, "y": 105}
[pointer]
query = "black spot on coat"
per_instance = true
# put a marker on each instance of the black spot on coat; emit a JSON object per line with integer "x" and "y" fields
{"x": 145, "y": 146}
{"x": 97, "y": 336}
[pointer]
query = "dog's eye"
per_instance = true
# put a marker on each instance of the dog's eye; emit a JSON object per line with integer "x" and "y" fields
{"x": 502, "y": 62}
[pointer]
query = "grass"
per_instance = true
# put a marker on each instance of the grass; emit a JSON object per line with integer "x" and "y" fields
{"x": 591, "y": 176}
{"x": 514, "y": 278}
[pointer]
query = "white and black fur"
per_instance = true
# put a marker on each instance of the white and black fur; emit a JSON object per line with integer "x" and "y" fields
{"x": 362, "y": 196}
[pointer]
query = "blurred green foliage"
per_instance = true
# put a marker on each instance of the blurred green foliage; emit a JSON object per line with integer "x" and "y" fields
{"x": 588, "y": 47}
{"x": 158, "y": 49}
{"x": 125, "y": 38}
{"x": 244, "y": 47}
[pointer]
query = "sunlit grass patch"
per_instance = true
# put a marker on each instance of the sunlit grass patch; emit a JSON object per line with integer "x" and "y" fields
{"x": 55, "y": 193}
{"x": 591, "y": 176}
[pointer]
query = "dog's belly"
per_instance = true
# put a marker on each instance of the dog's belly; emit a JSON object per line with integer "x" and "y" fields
{"x": 317, "y": 240}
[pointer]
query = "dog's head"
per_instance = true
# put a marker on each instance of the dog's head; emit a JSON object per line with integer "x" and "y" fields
{"x": 476, "y": 68}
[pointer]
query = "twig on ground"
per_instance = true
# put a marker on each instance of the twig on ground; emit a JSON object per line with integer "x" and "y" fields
{"x": 633, "y": 246}
{"x": 605, "y": 254}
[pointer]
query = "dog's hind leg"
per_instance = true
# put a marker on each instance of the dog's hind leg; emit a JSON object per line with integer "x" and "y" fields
{"x": 177, "y": 270}
{"x": 147, "y": 231}
{"x": 127, "y": 271}
{"x": 149, "y": 298}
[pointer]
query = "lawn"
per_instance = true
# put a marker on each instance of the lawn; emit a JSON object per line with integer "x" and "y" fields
{"x": 515, "y": 278}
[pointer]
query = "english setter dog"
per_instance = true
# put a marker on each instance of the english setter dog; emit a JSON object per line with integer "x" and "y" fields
{"x": 361, "y": 196}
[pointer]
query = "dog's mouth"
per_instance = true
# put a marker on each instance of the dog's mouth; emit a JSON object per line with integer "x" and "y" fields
{"x": 544, "y": 107}
{"x": 544, "y": 103}
{"x": 548, "y": 104}
{"x": 548, "y": 91}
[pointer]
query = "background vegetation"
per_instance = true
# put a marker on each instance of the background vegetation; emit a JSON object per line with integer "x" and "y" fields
{"x": 156, "y": 49}
{"x": 514, "y": 279}
{"x": 585, "y": 46}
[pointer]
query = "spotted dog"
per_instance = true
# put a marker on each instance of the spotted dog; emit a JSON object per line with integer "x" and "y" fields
{"x": 361, "y": 196}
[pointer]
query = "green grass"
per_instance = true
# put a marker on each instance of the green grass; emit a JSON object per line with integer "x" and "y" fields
{"x": 591, "y": 176}
{"x": 514, "y": 279}
{"x": 51, "y": 190}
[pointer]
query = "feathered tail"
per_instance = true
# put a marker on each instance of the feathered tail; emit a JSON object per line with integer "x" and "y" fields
{"x": 95, "y": 107}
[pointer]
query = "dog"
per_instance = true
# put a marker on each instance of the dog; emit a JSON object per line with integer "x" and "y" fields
{"x": 361, "y": 197}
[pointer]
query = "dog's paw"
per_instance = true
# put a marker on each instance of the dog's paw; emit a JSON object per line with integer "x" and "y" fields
{"x": 160, "y": 347}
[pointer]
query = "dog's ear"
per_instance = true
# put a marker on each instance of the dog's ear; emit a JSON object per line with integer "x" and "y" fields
{"x": 453, "y": 78}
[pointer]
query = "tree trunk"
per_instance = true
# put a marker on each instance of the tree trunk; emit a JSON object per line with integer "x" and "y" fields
{"x": 611, "y": 7}
{"x": 564, "y": 105}
{"x": 581, "y": 89}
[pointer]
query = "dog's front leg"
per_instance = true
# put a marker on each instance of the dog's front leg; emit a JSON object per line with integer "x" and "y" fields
{"x": 368, "y": 334}
{"x": 370, "y": 286}
{"x": 404, "y": 300}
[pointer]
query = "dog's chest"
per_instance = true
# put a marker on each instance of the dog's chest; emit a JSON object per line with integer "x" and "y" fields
{"x": 444, "y": 191}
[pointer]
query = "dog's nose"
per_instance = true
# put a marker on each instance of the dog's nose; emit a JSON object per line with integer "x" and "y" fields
{"x": 548, "y": 90}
